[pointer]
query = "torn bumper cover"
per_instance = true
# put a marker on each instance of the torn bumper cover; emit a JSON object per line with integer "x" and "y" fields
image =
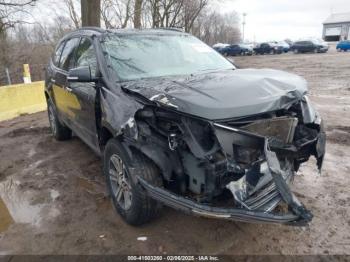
{"x": 270, "y": 188}
{"x": 236, "y": 214}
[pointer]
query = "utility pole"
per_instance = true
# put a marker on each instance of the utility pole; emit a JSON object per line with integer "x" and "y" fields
{"x": 8, "y": 76}
{"x": 90, "y": 12}
{"x": 243, "y": 25}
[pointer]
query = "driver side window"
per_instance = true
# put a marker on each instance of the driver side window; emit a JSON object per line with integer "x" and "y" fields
{"x": 86, "y": 55}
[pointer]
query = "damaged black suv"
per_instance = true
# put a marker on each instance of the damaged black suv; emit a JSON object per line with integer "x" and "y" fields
{"x": 178, "y": 124}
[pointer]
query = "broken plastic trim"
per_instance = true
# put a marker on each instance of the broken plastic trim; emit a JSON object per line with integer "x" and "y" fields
{"x": 178, "y": 202}
{"x": 226, "y": 140}
{"x": 299, "y": 215}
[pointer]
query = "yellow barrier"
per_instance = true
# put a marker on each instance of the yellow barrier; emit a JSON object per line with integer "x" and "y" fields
{"x": 21, "y": 99}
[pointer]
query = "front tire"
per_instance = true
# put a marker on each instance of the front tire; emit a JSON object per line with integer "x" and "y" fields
{"x": 128, "y": 197}
{"x": 59, "y": 131}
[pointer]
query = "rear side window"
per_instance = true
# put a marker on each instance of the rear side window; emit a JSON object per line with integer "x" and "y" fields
{"x": 86, "y": 55}
{"x": 68, "y": 55}
{"x": 57, "y": 55}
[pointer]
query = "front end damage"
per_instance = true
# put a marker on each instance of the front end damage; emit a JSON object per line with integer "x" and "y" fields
{"x": 236, "y": 169}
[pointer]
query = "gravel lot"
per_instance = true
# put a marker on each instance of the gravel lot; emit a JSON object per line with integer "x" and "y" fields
{"x": 53, "y": 199}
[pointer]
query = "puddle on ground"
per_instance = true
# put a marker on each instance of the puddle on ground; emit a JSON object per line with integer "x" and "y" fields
{"x": 16, "y": 206}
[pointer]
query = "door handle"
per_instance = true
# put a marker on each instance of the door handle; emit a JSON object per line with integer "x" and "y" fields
{"x": 53, "y": 80}
{"x": 69, "y": 89}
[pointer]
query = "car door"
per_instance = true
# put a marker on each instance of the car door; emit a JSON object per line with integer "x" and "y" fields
{"x": 301, "y": 46}
{"x": 310, "y": 46}
{"x": 232, "y": 50}
{"x": 265, "y": 48}
{"x": 51, "y": 73}
{"x": 59, "y": 88}
{"x": 346, "y": 45}
{"x": 84, "y": 119}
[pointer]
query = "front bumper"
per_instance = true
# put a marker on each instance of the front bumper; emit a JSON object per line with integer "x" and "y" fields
{"x": 280, "y": 154}
{"x": 235, "y": 214}
{"x": 323, "y": 49}
{"x": 278, "y": 191}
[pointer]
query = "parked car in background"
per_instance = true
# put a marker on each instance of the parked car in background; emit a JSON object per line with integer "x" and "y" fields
{"x": 285, "y": 46}
{"x": 219, "y": 46}
{"x": 268, "y": 48}
{"x": 323, "y": 43}
{"x": 343, "y": 45}
{"x": 233, "y": 50}
{"x": 309, "y": 46}
{"x": 249, "y": 44}
{"x": 289, "y": 42}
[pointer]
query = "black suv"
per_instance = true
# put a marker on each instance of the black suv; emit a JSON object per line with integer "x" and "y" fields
{"x": 175, "y": 123}
{"x": 268, "y": 48}
{"x": 308, "y": 47}
{"x": 233, "y": 50}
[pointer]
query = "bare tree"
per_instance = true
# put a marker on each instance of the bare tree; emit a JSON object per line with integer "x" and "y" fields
{"x": 175, "y": 13}
{"x": 73, "y": 12}
{"x": 213, "y": 27}
{"x": 9, "y": 12}
{"x": 117, "y": 13}
{"x": 191, "y": 11}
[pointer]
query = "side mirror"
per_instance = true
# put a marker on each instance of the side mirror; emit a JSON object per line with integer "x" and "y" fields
{"x": 80, "y": 74}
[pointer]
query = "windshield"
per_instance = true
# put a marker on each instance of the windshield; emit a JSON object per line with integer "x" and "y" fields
{"x": 144, "y": 56}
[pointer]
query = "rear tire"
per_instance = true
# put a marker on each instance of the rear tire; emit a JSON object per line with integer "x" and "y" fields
{"x": 59, "y": 131}
{"x": 128, "y": 197}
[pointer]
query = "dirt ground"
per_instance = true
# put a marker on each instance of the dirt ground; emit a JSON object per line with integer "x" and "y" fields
{"x": 53, "y": 199}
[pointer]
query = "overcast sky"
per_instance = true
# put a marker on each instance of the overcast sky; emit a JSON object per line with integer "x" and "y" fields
{"x": 279, "y": 19}
{"x": 266, "y": 20}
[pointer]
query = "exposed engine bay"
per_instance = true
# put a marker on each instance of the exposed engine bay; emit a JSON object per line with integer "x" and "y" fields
{"x": 235, "y": 169}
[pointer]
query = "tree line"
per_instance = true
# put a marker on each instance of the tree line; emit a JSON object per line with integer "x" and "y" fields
{"x": 25, "y": 38}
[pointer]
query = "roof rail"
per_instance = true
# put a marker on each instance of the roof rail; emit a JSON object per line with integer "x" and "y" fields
{"x": 92, "y": 28}
{"x": 178, "y": 29}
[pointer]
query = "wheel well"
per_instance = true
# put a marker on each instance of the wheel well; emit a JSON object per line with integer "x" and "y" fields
{"x": 104, "y": 136}
{"x": 138, "y": 151}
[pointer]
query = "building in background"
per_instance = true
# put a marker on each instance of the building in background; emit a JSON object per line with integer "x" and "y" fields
{"x": 337, "y": 27}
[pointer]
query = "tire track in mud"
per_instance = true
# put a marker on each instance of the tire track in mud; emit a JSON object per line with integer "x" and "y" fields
{"x": 27, "y": 132}
{"x": 338, "y": 134}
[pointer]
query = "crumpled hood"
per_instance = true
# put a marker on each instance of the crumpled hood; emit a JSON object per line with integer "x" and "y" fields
{"x": 225, "y": 94}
